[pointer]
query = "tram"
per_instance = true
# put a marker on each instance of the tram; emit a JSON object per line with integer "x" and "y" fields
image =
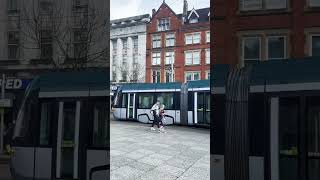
{"x": 283, "y": 121}
{"x": 185, "y": 103}
{"x": 62, "y": 131}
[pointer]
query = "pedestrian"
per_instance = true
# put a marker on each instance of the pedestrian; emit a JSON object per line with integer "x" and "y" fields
{"x": 155, "y": 110}
{"x": 8, "y": 137}
{"x": 162, "y": 118}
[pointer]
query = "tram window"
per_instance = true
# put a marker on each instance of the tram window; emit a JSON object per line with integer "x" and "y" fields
{"x": 47, "y": 114}
{"x": 190, "y": 101}
{"x": 124, "y": 100}
{"x": 256, "y": 124}
{"x": 146, "y": 100}
{"x": 288, "y": 137}
{"x": 28, "y": 118}
{"x": 218, "y": 125}
{"x": 166, "y": 99}
{"x": 100, "y": 125}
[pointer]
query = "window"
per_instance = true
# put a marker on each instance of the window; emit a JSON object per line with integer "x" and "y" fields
{"x": 135, "y": 43}
{"x": 47, "y": 115}
{"x": 80, "y": 45}
{"x": 208, "y": 36}
{"x": 192, "y": 57}
{"x": 146, "y": 100}
{"x": 251, "y": 48}
{"x": 156, "y": 58}
{"x": 170, "y": 39}
{"x": 314, "y": 3}
{"x": 163, "y": 24}
{"x": 192, "y": 76}
{"x": 207, "y": 74}
{"x": 124, "y": 76}
{"x": 12, "y": 5}
{"x": 167, "y": 99}
{"x": 124, "y": 102}
{"x": 193, "y": 20}
{"x": 169, "y": 58}
{"x": 100, "y": 125}
{"x": 169, "y": 76}
{"x": 156, "y": 74}
{"x": 13, "y": 45}
{"x": 193, "y": 38}
{"x": 315, "y": 45}
{"x": 247, "y": 5}
{"x": 114, "y": 46}
{"x": 207, "y": 56}
{"x": 156, "y": 41}
{"x": 276, "y": 47}
{"x": 45, "y": 6}
{"x": 46, "y": 44}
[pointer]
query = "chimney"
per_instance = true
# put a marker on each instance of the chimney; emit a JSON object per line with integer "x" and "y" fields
{"x": 153, "y": 12}
{"x": 185, "y": 11}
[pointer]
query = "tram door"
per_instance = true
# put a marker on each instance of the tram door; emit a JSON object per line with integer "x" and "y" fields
{"x": 67, "y": 149}
{"x": 202, "y": 108}
{"x": 131, "y": 106}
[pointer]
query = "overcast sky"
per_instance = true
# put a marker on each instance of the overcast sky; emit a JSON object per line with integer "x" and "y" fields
{"x": 127, "y": 8}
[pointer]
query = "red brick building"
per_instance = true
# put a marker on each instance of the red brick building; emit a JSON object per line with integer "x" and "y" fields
{"x": 253, "y": 30}
{"x": 178, "y": 43}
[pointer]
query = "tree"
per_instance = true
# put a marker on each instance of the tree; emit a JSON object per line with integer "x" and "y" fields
{"x": 64, "y": 35}
{"x": 129, "y": 74}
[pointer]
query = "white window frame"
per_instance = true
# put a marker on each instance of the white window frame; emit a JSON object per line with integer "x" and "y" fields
{"x": 156, "y": 77}
{"x": 165, "y": 77}
{"x": 156, "y": 41}
{"x": 208, "y": 36}
{"x": 208, "y": 56}
{"x": 207, "y": 74}
{"x": 267, "y": 46}
{"x": 169, "y": 39}
{"x": 192, "y": 62}
{"x": 310, "y": 42}
{"x": 193, "y": 20}
{"x": 167, "y": 57}
{"x": 156, "y": 60}
{"x": 313, "y": 3}
{"x": 192, "y": 75}
{"x": 163, "y": 28}
{"x": 262, "y": 5}
{"x": 192, "y": 35}
{"x": 242, "y": 47}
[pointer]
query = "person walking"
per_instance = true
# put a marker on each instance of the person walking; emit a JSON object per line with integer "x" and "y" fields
{"x": 155, "y": 109}
{"x": 161, "y": 119}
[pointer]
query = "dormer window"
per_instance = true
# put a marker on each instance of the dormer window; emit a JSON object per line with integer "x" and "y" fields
{"x": 193, "y": 16}
{"x": 163, "y": 24}
{"x": 193, "y": 20}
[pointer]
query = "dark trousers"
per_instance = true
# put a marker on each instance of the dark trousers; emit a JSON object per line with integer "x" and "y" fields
{"x": 156, "y": 120}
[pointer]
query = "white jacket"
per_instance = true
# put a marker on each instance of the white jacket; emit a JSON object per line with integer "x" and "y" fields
{"x": 157, "y": 108}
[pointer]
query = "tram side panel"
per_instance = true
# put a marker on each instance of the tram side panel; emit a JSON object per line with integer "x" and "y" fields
{"x": 256, "y": 135}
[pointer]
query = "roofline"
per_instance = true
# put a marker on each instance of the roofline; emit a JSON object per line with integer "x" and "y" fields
{"x": 164, "y": 3}
{"x": 195, "y": 11}
{"x": 131, "y": 18}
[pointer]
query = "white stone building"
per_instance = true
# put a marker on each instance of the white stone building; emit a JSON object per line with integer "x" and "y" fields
{"x": 128, "y": 49}
{"x": 39, "y": 34}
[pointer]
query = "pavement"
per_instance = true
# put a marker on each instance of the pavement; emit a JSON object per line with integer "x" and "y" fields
{"x": 4, "y": 167}
{"x": 137, "y": 153}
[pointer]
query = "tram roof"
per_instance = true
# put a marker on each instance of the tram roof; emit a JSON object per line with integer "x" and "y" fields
{"x": 200, "y": 84}
{"x": 73, "y": 81}
{"x": 150, "y": 86}
{"x": 275, "y": 72}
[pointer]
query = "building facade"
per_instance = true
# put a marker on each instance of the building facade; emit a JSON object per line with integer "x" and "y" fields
{"x": 258, "y": 30}
{"x": 178, "y": 45}
{"x": 128, "y": 49}
{"x": 47, "y": 35}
